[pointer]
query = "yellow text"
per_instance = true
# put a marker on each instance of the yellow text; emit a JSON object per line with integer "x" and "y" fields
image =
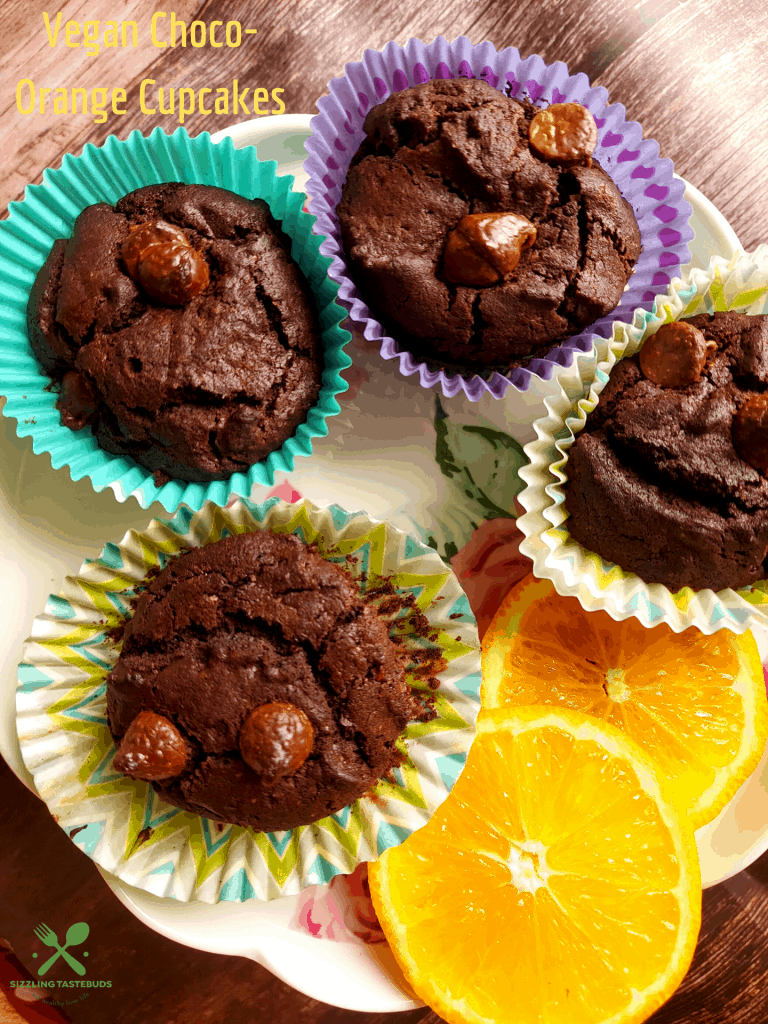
{"x": 59, "y": 100}
{"x": 126, "y": 33}
{"x": 185, "y": 101}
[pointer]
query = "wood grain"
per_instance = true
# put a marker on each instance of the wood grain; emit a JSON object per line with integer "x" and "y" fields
{"x": 690, "y": 72}
{"x": 709, "y": 116}
{"x": 694, "y": 73}
{"x": 30, "y": 143}
{"x": 726, "y": 984}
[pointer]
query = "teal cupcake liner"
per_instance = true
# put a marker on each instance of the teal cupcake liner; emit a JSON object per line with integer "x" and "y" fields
{"x": 105, "y": 174}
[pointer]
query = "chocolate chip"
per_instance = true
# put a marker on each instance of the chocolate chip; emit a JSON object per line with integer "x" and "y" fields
{"x": 77, "y": 400}
{"x": 483, "y": 248}
{"x": 564, "y": 133}
{"x": 276, "y": 739}
{"x": 462, "y": 265}
{"x": 158, "y": 256}
{"x": 142, "y": 236}
{"x": 750, "y": 432}
{"x": 172, "y": 274}
{"x": 675, "y": 355}
{"x": 152, "y": 749}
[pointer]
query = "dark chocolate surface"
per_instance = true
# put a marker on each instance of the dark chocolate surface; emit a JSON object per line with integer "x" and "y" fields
{"x": 654, "y": 481}
{"x": 441, "y": 150}
{"x": 247, "y": 621}
{"x": 197, "y": 392}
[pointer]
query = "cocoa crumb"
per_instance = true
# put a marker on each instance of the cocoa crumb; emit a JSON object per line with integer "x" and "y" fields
{"x": 375, "y": 797}
{"x": 427, "y": 662}
{"x": 390, "y": 605}
{"x": 115, "y": 635}
{"x": 143, "y": 836}
{"x": 427, "y": 701}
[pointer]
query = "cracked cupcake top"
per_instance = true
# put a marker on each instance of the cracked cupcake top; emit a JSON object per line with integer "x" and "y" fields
{"x": 179, "y": 327}
{"x": 682, "y": 437}
{"x": 666, "y": 479}
{"x": 440, "y": 151}
{"x": 267, "y": 691}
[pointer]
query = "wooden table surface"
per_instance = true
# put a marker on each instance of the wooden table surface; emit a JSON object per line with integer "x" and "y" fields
{"x": 694, "y": 73}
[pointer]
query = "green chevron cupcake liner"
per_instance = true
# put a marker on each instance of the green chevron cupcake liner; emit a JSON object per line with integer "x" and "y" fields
{"x": 124, "y": 826}
{"x": 105, "y": 174}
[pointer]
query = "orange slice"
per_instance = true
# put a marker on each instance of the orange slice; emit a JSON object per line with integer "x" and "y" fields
{"x": 697, "y": 704}
{"x": 557, "y": 884}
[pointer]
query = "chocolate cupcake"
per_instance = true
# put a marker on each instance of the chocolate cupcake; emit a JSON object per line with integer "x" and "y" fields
{"x": 256, "y": 687}
{"x": 273, "y": 623}
{"x": 178, "y": 326}
{"x": 479, "y": 228}
{"x": 668, "y": 477}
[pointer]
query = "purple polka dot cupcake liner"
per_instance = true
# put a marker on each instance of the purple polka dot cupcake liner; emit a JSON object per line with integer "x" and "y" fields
{"x": 644, "y": 179}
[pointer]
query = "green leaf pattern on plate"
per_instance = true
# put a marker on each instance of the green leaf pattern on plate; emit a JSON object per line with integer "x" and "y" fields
{"x": 482, "y": 466}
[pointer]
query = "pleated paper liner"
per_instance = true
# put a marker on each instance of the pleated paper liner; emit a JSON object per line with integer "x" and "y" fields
{"x": 644, "y": 179}
{"x": 739, "y": 284}
{"x": 105, "y": 174}
{"x": 124, "y": 826}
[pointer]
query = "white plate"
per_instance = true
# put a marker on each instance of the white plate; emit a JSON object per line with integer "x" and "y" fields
{"x": 48, "y": 525}
{"x": 352, "y": 976}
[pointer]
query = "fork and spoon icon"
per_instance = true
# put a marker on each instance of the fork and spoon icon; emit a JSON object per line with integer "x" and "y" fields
{"x": 76, "y": 934}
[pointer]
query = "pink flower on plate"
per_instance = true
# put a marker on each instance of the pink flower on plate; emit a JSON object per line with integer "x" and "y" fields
{"x": 489, "y": 565}
{"x": 341, "y": 911}
{"x": 285, "y": 491}
{"x": 318, "y": 914}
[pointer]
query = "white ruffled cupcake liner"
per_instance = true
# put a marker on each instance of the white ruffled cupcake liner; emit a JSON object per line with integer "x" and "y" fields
{"x": 740, "y": 284}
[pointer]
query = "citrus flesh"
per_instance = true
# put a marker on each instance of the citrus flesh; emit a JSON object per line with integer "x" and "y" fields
{"x": 555, "y": 885}
{"x": 697, "y": 704}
